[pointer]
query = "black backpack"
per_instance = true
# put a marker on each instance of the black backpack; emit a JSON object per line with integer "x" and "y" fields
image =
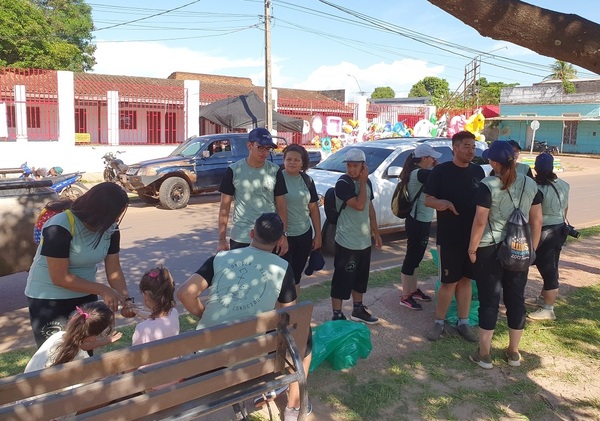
{"x": 401, "y": 203}
{"x": 330, "y": 206}
{"x": 516, "y": 252}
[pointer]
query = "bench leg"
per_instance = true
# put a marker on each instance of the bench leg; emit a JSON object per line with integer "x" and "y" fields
{"x": 240, "y": 412}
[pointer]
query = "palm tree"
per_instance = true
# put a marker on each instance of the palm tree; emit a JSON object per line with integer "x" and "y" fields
{"x": 562, "y": 71}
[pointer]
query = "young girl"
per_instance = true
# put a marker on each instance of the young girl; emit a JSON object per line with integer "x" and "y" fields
{"x": 162, "y": 319}
{"x": 89, "y": 327}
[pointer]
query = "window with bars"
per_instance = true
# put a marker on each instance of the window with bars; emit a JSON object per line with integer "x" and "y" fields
{"x": 128, "y": 119}
{"x": 33, "y": 117}
{"x": 80, "y": 120}
{"x": 570, "y": 132}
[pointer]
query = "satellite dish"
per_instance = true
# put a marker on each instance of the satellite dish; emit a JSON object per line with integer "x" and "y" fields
{"x": 317, "y": 124}
{"x": 305, "y": 127}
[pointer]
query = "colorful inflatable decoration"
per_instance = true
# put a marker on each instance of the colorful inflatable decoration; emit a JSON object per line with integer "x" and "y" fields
{"x": 475, "y": 124}
{"x": 423, "y": 128}
{"x": 333, "y": 126}
{"x": 442, "y": 126}
{"x": 457, "y": 124}
{"x": 401, "y": 130}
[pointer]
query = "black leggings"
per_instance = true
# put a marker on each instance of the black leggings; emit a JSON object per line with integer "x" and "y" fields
{"x": 548, "y": 254}
{"x": 492, "y": 281}
{"x": 417, "y": 239}
{"x": 298, "y": 252}
{"x": 50, "y": 316}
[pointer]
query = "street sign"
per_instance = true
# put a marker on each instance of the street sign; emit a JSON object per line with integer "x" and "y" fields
{"x": 535, "y": 125}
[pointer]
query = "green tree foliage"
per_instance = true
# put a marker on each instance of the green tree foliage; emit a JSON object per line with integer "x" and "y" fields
{"x": 434, "y": 87}
{"x": 563, "y": 71}
{"x": 383, "y": 92}
{"x": 50, "y": 34}
{"x": 489, "y": 92}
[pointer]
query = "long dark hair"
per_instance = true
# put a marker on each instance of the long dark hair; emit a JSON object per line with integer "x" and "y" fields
{"x": 301, "y": 150}
{"x": 92, "y": 319}
{"x": 409, "y": 165}
{"x": 100, "y": 207}
{"x": 507, "y": 173}
{"x": 159, "y": 285}
{"x": 544, "y": 177}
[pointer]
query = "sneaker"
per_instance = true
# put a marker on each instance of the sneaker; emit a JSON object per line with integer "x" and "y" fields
{"x": 409, "y": 302}
{"x": 269, "y": 396}
{"x": 420, "y": 295}
{"x": 339, "y": 317}
{"x": 360, "y": 314}
{"x": 437, "y": 331}
{"x": 466, "y": 332}
{"x": 291, "y": 414}
{"x": 535, "y": 302}
{"x": 542, "y": 314}
{"x": 513, "y": 358}
{"x": 483, "y": 361}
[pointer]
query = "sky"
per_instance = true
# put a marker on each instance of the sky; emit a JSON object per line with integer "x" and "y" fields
{"x": 355, "y": 45}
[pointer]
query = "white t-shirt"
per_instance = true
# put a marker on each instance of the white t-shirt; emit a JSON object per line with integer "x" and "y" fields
{"x": 153, "y": 329}
{"x": 45, "y": 355}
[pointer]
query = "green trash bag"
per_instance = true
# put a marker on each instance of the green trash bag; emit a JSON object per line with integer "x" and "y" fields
{"x": 341, "y": 343}
{"x": 452, "y": 313}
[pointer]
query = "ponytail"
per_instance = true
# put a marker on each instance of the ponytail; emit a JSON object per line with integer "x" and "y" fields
{"x": 508, "y": 174}
{"x": 409, "y": 165}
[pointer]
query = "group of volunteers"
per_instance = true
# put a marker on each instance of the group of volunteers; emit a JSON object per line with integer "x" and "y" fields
{"x": 276, "y": 229}
{"x": 472, "y": 215}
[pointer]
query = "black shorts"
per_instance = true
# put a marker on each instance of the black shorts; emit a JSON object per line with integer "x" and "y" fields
{"x": 50, "y": 316}
{"x": 298, "y": 252}
{"x": 417, "y": 239}
{"x": 454, "y": 264}
{"x": 351, "y": 271}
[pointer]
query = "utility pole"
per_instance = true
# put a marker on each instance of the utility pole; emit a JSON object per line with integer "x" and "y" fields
{"x": 268, "y": 95}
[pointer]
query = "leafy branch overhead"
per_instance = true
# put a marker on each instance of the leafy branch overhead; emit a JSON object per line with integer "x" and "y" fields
{"x": 565, "y": 37}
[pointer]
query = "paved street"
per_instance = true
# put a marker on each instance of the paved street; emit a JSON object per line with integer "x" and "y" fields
{"x": 183, "y": 239}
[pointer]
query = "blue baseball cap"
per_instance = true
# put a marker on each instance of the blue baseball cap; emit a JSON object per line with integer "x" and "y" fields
{"x": 262, "y": 137}
{"x": 500, "y": 151}
{"x": 544, "y": 162}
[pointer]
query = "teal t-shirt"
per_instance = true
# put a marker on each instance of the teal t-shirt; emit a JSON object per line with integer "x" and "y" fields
{"x": 353, "y": 227}
{"x": 553, "y": 206}
{"x": 83, "y": 260}
{"x": 247, "y": 281}
{"x": 502, "y": 205}
{"x": 297, "y": 199}
{"x": 254, "y": 195}
{"x": 419, "y": 211}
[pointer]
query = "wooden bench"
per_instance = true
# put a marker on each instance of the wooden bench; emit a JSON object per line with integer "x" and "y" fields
{"x": 239, "y": 360}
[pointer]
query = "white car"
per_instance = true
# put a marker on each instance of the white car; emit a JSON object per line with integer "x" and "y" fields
{"x": 385, "y": 159}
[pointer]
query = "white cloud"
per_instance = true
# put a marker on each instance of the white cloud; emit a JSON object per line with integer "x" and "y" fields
{"x": 400, "y": 75}
{"x": 153, "y": 59}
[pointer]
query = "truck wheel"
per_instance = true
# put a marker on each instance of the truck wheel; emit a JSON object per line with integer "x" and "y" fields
{"x": 174, "y": 193}
{"x": 328, "y": 239}
{"x": 147, "y": 199}
{"x": 73, "y": 191}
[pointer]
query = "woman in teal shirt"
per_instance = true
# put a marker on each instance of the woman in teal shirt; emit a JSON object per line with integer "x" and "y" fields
{"x": 302, "y": 210}
{"x": 63, "y": 272}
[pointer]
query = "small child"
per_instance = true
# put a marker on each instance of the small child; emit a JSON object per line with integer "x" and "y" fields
{"x": 162, "y": 321}
{"x": 89, "y": 327}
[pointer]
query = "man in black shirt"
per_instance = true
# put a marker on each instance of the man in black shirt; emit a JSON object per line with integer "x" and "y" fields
{"x": 450, "y": 190}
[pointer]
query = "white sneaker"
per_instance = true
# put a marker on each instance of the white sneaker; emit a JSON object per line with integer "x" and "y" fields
{"x": 542, "y": 314}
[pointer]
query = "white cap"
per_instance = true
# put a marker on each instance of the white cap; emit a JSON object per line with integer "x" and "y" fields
{"x": 355, "y": 155}
{"x": 424, "y": 150}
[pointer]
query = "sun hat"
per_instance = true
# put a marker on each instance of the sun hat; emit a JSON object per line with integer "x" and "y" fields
{"x": 355, "y": 155}
{"x": 424, "y": 150}
{"x": 544, "y": 162}
{"x": 262, "y": 137}
{"x": 500, "y": 151}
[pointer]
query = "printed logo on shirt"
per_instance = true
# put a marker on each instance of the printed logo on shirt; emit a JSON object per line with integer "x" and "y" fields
{"x": 241, "y": 286}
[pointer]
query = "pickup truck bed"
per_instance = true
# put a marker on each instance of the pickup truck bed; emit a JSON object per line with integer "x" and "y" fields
{"x": 196, "y": 166}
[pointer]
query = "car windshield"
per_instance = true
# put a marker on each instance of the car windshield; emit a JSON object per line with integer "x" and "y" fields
{"x": 188, "y": 148}
{"x": 375, "y": 156}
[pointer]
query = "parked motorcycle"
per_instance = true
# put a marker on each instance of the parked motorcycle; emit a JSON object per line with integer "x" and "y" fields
{"x": 114, "y": 168}
{"x": 67, "y": 186}
{"x": 542, "y": 147}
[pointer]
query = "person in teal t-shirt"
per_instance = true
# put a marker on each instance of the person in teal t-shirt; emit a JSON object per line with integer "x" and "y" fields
{"x": 356, "y": 224}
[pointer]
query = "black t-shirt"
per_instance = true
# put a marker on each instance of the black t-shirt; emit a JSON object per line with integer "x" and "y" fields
{"x": 458, "y": 185}
{"x": 288, "y": 287}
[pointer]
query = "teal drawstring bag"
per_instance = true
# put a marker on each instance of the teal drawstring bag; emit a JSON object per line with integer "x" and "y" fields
{"x": 341, "y": 343}
{"x": 452, "y": 314}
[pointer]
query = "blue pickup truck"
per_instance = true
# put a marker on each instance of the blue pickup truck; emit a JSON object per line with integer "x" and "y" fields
{"x": 195, "y": 166}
